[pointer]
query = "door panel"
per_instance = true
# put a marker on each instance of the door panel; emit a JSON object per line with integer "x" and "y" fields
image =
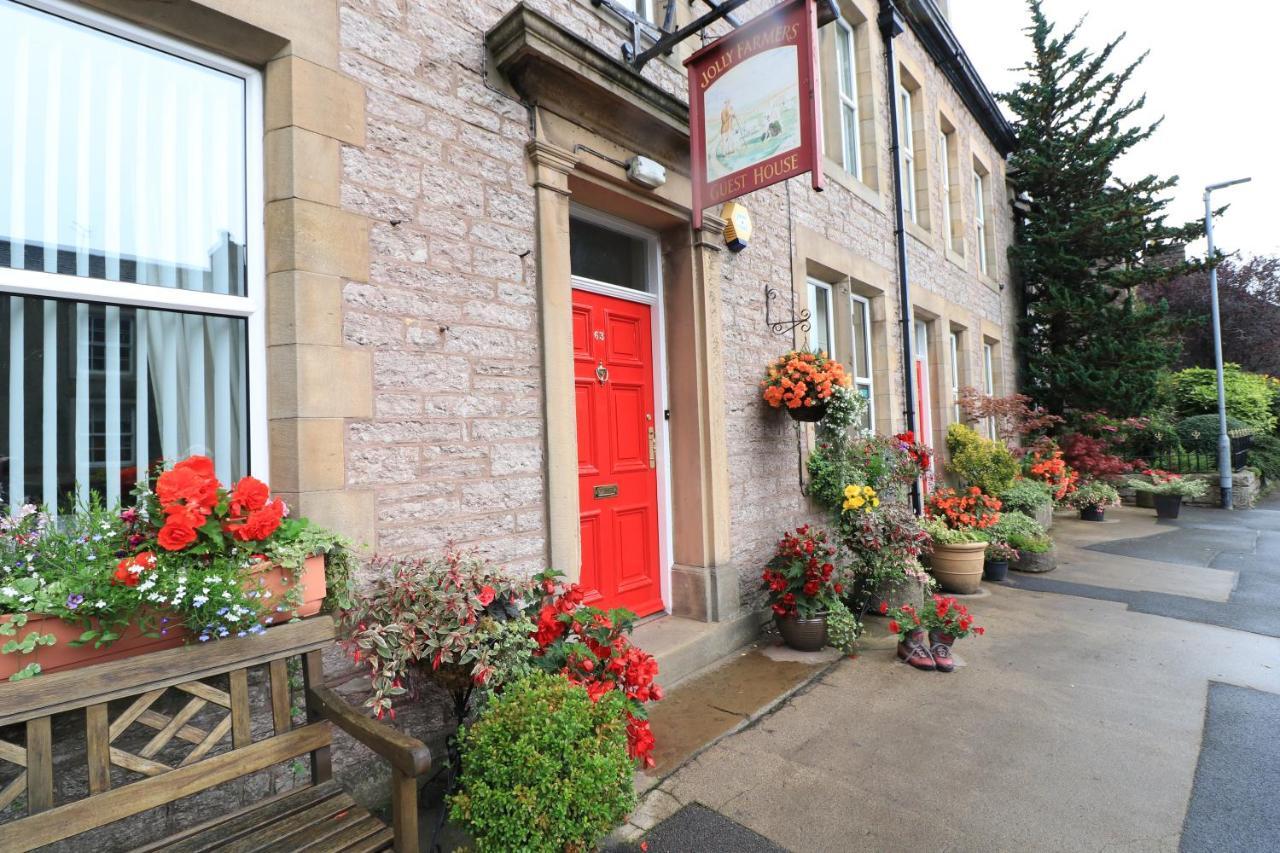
{"x": 617, "y": 471}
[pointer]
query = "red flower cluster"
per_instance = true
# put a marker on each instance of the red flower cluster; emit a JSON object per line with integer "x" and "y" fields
{"x": 798, "y": 578}
{"x": 130, "y": 569}
{"x": 951, "y": 619}
{"x": 917, "y": 450}
{"x": 947, "y": 616}
{"x": 974, "y": 508}
{"x": 592, "y": 648}
{"x": 189, "y": 493}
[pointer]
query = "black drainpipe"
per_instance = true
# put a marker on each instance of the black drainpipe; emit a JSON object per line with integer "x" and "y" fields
{"x": 891, "y": 26}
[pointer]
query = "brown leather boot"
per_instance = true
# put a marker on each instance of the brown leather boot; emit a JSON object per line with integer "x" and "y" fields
{"x": 914, "y": 652}
{"x": 940, "y": 649}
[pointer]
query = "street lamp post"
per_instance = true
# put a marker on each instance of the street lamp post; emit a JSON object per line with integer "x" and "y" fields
{"x": 1224, "y": 440}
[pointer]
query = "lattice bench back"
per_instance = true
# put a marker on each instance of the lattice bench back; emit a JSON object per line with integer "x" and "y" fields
{"x": 145, "y": 679}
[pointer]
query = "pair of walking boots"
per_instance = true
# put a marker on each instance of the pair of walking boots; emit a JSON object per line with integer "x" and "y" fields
{"x": 928, "y": 653}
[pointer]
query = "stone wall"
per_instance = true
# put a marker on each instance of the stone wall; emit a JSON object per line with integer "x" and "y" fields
{"x": 453, "y": 450}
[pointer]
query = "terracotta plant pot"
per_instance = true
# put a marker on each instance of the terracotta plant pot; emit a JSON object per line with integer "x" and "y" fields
{"x": 133, "y": 642}
{"x": 1036, "y": 563}
{"x": 1168, "y": 506}
{"x": 808, "y": 414}
{"x": 958, "y": 568}
{"x": 1093, "y": 513}
{"x": 803, "y": 635}
{"x": 1144, "y": 500}
{"x": 995, "y": 570}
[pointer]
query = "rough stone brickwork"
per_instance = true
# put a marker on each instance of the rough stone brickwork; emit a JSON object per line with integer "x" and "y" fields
{"x": 450, "y": 311}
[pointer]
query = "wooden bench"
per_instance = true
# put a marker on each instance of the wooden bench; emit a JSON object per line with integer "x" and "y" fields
{"x": 139, "y": 756}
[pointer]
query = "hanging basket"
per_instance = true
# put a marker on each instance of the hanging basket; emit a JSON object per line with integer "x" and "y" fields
{"x": 808, "y": 414}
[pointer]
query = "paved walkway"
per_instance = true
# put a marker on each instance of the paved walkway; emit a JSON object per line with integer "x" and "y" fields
{"x": 1129, "y": 701}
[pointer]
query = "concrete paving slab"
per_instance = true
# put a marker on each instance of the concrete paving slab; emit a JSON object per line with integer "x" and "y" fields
{"x": 1076, "y": 727}
{"x": 713, "y": 703}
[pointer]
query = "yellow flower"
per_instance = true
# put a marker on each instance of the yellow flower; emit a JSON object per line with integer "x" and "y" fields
{"x": 875, "y": 502}
{"x": 850, "y": 491}
{"x": 858, "y": 502}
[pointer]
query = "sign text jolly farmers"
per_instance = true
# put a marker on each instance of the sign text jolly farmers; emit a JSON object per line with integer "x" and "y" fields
{"x": 753, "y": 108}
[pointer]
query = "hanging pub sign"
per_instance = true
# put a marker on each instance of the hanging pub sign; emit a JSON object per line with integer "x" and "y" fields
{"x": 753, "y": 107}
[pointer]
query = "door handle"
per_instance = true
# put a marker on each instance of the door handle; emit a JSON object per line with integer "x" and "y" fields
{"x": 653, "y": 448}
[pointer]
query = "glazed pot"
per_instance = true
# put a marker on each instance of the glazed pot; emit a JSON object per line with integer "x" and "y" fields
{"x": 803, "y": 635}
{"x": 995, "y": 570}
{"x": 1034, "y": 562}
{"x": 958, "y": 568}
{"x": 1144, "y": 499}
{"x": 1168, "y": 506}
{"x": 808, "y": 414}
{"x": 61, "y": 655}
{"x": 1093, "y": 513}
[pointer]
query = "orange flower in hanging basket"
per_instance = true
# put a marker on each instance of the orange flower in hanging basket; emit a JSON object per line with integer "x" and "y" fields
{"x": 803, "y": 382}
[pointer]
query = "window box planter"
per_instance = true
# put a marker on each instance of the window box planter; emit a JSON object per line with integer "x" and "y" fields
{"x": 63, "y": 656}
{"x": 958, "y": 567}
{"x": 803, "y": 635}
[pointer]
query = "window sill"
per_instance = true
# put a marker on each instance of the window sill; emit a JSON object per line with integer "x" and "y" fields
{"x": 919, "y": 232}
{"x": 956, "y": 258}
{"x": 835, "y": 171}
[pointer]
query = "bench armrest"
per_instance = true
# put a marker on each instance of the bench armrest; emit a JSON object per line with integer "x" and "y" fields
{"x": 407, "y": 754}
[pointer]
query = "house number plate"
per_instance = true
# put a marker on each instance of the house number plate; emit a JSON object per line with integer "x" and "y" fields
{"x": 609, "y": 491}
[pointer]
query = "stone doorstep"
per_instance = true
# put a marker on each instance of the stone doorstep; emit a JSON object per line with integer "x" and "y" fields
{"x": 686, "y": 646}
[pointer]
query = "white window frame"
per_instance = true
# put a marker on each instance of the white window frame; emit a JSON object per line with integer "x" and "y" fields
{"x": 907, "y": 150}
{"x": 980, "y": 218}
{"x": 645, "y": 10}
{"x": 816, "y": 287}
{"x": 861, "y": 306}
{"x": 944, "y": 173}
{"x": 848, "y": 94}
{"x": 251, "y": 306}
{"x": 988, "y": 380}
{"x": 955, "y": 376}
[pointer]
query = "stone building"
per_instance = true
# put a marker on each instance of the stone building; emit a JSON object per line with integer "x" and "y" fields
{"x": 375, "y": 251}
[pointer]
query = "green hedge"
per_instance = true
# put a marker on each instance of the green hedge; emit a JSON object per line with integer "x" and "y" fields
{"x": 1250, "y": 396}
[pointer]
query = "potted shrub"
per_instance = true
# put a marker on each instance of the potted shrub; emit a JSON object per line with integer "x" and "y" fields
{"x": 432, "y": 618}
{"x": 544, "y": 768}
{"x": 1092, "y": 499}
{"x": 998, "y": 557}
{"x": 802, "y": 383}
{"x": 191, "y": 561}
{"x": 1167, "y": 491}
{"x": 956, "y": 521}
{"x": 800, "y": 588}
{"x": 1030, "y": 497}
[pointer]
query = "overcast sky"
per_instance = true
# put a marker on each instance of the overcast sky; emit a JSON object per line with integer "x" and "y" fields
{"x": 1212, "y": 73}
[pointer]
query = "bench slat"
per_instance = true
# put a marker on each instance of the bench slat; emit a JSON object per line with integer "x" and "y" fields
{"x": 229, "y": 827}
{"x": 72, "y": 689}
{"x": 73, "y": 818}
{"x": 39, "y": 765}
{"x": 361, "y": 832}
{"x": 288, "y": 833}
{"x": 97, "y": 727}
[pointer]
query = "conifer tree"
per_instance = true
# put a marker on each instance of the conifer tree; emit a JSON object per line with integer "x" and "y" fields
{"x": 1089, "y": 239}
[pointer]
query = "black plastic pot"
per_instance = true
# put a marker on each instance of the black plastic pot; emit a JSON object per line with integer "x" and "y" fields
{"x": 995, "y": 570}
{"x": 1168, "y": 506}
{"x": 808, "y": 414}
{"x": 1093, "y": 513}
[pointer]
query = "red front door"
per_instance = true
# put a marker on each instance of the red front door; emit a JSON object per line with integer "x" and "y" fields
{"x": 617, "y": 452}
